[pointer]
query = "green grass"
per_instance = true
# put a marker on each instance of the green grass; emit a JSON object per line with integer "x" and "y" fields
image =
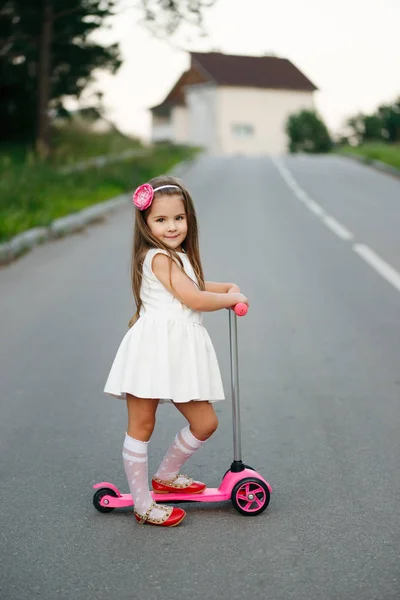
{"x": 33, "y": 194}
{"x": 75, "y": 143}
{"x": 386, "y": 153}
{"x": 71, "y": 143}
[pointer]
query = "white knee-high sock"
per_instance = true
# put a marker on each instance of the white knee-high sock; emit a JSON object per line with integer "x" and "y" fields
{"x": 134, "y": 454}
{"x": 182, "y": 448}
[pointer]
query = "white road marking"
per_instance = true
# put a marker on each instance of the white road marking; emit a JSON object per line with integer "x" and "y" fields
{"x": 377, "y": 263}
{"x": 337, "y": 228}
{"x": 315, "y": 208}
{"x": 302, "y": 195}
{"x": 369, "y": 256}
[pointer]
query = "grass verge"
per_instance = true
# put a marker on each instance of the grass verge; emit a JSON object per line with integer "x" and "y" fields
{"x": 33, "y": 195}
{"x": 385, "y": 153}
{"x": 71, "y": 143}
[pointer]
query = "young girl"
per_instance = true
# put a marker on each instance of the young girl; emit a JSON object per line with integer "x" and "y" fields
{"x": 167, "y": 354}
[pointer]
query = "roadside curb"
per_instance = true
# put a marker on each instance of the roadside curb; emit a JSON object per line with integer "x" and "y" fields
{"x": 376, "y": 164}
{"x": 23, "y": 242}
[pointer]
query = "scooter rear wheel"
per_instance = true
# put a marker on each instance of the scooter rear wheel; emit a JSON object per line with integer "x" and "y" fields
{"x": 98, "y": 495}
{"x": 250, "y": 496}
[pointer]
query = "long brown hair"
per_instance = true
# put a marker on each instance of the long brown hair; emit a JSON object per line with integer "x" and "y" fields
{"x": 143, "y": 239}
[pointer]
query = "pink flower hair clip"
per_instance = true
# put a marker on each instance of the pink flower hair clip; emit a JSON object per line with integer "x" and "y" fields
{"x": 144, "y": 194}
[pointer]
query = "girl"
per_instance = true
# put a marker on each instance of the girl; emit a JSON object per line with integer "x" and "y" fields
{"x": 167, "y": 354}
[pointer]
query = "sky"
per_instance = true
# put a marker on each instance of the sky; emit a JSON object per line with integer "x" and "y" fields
{"x": 350, "y": 49}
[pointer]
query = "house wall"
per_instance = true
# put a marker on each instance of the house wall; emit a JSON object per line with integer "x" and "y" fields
{"x": 161, "y": 129}
{"x": 252, "y": 120}
{"x": 202, "y": 125}
{"x": 180, "y": 124}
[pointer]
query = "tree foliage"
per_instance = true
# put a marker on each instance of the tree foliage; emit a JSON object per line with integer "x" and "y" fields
{"x": 46, "y": 53}
{"x": 383, "y": 125}
{"x": 73, "y": 56}
{"x": 165, "y": 16}
{"x": 308, "y": 133}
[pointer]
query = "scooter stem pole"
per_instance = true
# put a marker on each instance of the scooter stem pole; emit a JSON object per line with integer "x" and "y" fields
{"x": 237, "y": 444}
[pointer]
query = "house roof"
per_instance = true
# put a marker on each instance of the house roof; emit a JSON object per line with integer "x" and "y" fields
{"x": 231, "y": 70}
{"x": 251, "y": 71}
{"x": 176, "y": 96}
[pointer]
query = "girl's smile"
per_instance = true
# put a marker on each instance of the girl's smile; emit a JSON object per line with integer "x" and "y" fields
{"x": 167, "y": 220}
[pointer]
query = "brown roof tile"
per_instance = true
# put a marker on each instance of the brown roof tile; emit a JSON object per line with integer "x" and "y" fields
{"x": 251, "y": 71}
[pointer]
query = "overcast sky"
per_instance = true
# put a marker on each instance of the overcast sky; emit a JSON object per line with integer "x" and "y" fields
{"x": 350, "y": 49}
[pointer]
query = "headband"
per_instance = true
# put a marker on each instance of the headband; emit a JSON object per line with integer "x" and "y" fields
{"x": 144, "y": 194}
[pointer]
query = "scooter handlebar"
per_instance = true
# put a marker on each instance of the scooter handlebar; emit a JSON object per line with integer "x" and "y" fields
{"x": 241, "y": 309}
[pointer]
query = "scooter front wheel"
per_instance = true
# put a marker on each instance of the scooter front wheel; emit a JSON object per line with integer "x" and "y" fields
{"x": 98, "y": 495}
{"x": 250, "y": 496}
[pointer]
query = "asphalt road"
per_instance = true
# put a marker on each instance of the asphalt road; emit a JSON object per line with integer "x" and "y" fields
{"x": 320, "y": 383}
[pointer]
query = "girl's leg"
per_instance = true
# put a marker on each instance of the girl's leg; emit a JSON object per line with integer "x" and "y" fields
{"x": 201, "y": 417}
{"x": 141, "y": 417}
{"x": 202, "y": 424}
{"x": 141, "y": 421}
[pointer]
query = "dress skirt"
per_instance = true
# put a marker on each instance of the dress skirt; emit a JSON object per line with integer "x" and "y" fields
{"x": 169, "y": 359}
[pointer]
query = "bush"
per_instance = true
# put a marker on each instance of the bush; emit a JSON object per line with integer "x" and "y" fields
{"x": 383, "y": 125}
{"x": 308, "y": 133}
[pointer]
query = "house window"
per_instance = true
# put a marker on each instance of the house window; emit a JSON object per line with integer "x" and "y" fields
{"x": 243, "y": 130}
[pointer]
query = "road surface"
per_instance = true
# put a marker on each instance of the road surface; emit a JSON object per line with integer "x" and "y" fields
{"x": 314, "y": 242}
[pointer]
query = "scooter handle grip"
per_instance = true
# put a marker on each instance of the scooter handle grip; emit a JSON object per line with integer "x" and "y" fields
{"x": 241, "y": 309}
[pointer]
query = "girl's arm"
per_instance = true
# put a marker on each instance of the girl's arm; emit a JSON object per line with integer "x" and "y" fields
{"x": 222, "y": 288}
{"x": 183, "y": 288}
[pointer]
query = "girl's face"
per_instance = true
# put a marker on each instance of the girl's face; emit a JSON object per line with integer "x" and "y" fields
{"x": 167, "y": 220}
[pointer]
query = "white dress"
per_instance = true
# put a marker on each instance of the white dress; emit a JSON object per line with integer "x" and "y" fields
{"x": 167, "y": 354}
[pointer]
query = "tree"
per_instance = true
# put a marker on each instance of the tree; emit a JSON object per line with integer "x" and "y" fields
{"x": 356, "y": 126}
{"x": 46, "y": 53}
{"x": 163, "y": 17}
{"x": 366, "y": 128}
{"x": 373, "y": 128}
{"x": 308, "y": 133}
{"x": 390, "y": 116}
{"x": 383, "y": 125}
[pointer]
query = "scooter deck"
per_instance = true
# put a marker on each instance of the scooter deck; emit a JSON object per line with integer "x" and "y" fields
{"x": 207, "y": 495}
{"x": 221, "y": 494}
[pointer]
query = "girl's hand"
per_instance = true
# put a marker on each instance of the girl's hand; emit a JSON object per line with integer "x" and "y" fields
{"x": 237, "y": 298}
{"x": 234, "y": 289}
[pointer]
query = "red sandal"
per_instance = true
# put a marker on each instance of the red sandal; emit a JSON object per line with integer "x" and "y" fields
{"x": 169, "y": 487}
{"x": 173, "y": 516}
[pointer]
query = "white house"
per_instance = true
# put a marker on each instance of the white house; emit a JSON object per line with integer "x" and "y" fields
{"x": 233, "y": 104}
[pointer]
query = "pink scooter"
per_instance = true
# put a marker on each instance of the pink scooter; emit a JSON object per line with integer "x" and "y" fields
{"x": 247, "y": 489}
